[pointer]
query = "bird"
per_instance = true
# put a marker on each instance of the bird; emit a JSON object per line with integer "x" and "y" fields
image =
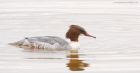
{"x": 54, "y": 42}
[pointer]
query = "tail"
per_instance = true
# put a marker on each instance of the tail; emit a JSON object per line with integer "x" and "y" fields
{"x": 18, "y": 43}
{"x": 11, "y": 43}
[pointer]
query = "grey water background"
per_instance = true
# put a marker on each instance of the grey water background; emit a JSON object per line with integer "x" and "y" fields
{"x": 115, "y": 23}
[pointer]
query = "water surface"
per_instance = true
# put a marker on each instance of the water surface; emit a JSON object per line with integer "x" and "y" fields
{"x": 116, "y": 26}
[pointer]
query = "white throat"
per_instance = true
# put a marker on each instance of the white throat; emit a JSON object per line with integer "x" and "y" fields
{"x": 75, "y": 45}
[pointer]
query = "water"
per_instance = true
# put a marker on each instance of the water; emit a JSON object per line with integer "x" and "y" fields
{"x": 116, "y": 26}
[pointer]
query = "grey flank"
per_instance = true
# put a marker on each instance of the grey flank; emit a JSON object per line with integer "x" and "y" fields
{"x": 43, "y": 42}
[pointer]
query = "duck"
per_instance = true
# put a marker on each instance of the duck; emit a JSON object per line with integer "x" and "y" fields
{"x": 54, "y": 42}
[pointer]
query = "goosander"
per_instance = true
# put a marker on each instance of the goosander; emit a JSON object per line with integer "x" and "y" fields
{"x": 54, "y": 42}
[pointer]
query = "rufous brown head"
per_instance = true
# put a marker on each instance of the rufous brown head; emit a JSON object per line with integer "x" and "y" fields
{"x": 75, "y": 31}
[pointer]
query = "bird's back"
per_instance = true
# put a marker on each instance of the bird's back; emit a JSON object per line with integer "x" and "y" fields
{"x": 43, "y": 42}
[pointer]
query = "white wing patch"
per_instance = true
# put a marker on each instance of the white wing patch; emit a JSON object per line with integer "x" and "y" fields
{"x": 42, "y": 45}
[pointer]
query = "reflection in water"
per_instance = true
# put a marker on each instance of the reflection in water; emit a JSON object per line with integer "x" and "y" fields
{"x": 75, "y": 64}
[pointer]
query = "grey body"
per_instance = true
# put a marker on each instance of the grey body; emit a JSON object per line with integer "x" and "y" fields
{"x": 43, "y": 42}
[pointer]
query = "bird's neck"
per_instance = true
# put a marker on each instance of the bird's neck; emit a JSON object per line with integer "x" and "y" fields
{"x": 75, "y": 45}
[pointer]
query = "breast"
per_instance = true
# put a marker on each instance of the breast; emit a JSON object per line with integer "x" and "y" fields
{"x": 43, "y": 42}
